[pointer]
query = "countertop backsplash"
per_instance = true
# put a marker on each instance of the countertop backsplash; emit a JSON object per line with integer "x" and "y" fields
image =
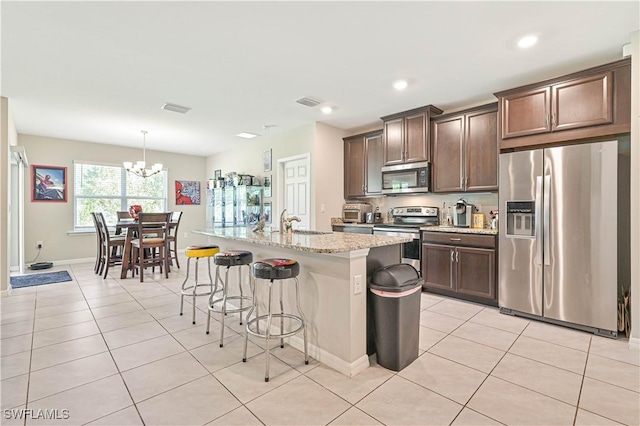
{"x": 484, "y": 202}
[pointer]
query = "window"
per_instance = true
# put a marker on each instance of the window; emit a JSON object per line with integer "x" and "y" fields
{"x": 109, "y": 189}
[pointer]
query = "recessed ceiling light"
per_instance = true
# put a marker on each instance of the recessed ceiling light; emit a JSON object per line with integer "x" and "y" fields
{"x": 246, "y": 135}
{"x": 175, "y": 108}
{"x": 400, "y": 84}
{"x": 527, "y": 41}
{"x": 326, "y": 110}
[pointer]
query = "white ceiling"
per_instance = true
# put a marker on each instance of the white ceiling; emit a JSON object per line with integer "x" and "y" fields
{"x": 100, "y": 71}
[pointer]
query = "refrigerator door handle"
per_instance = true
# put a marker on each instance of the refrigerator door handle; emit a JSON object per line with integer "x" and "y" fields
{"x": 537, "y": 224}
{"x": 547, "y": 220}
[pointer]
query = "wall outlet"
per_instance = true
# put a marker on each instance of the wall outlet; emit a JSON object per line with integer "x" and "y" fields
{"x": 357, "y": 284}
{"x": 186, "y": 234}
{"x": 322, "y": 208}
{"x": 39, "y": 244}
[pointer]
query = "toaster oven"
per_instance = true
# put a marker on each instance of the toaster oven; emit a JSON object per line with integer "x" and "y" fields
{"x": 355, "y": 212}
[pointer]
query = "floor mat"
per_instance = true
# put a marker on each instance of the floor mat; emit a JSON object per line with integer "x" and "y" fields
{"x": 40, "y": 279}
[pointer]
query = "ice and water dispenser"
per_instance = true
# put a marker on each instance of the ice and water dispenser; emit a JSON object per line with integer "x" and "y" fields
{"x": 521, "y": 219}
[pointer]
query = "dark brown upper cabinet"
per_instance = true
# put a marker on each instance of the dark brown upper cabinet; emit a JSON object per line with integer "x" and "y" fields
{"x": 363, "y": 158}
{"x": 465, "y": 150}
{"x": 406, "y": 135}
{"x": 591, "y": 103}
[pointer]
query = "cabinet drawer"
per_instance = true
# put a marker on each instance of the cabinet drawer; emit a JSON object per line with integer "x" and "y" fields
{"x": 475, "y": 240}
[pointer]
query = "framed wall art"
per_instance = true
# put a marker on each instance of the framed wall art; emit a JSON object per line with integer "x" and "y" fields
{"x": 266, "y": 184}
{"x": 187, "y": 192}
{"x": 48, "y": 184}
{"x": 266, "y": 159}
{"x": 266, "y": 212}
{"x": 217, "y": 174}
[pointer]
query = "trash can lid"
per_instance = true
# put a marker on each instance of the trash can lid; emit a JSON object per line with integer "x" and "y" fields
{"x": 406, "y": 287}
{"x": 395, "y": 278}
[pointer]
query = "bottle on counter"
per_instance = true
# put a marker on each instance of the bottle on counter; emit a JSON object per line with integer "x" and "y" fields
{"x": 494, "y": 219}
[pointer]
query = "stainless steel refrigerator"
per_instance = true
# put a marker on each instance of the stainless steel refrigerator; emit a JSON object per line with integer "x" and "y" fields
{"x": 558, "y": 235}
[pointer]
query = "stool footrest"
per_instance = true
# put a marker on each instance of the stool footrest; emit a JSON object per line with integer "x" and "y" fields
{"x": 213, "y": 308}
{"x": 275, "y": 335}
{"x": 188, "y": 291}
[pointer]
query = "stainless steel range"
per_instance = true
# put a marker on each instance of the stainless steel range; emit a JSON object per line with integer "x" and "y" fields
{"x": 406, "y": 223}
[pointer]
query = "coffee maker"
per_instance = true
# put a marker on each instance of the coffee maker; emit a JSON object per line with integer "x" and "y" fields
{"x": 463, "y": 214}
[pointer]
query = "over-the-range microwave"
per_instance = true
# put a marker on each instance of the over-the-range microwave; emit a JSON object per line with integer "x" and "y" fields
{"x": 410, "y": 178}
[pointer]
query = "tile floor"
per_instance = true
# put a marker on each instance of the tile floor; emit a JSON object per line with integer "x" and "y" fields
{"x": 116, "y": 352}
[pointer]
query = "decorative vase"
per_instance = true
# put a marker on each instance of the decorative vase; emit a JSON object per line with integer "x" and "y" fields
{"x": 134, "y": 211}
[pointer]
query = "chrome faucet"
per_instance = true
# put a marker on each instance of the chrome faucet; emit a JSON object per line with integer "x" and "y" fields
{"x": 282, "y": 220}
{"x": 285, "y": 222}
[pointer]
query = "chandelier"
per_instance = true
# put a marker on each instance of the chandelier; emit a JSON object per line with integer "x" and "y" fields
{"x": 139, "y": 167}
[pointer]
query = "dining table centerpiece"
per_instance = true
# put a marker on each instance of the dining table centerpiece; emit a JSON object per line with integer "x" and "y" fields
{"x": 134, "y": 211}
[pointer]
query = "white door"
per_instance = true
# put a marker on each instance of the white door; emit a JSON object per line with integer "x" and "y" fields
{"x": 296, "y": 191}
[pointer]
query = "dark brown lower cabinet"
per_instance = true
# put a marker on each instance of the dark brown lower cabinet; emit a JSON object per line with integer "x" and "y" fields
{"x": 460, "y": 265}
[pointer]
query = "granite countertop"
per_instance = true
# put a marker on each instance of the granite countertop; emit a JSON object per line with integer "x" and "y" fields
{"x": 445, "y": 228}
{"x": 357, "y": 225}
{"x": 329, "y": 242}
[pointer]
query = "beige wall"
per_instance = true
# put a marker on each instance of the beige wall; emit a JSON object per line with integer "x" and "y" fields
{"x": 322, "y": 142}
{"x": 5, "y": 183}
{"x": 52, "y": 222}
{"x": 329, "y": 174}
{"x": 635, "y": 190}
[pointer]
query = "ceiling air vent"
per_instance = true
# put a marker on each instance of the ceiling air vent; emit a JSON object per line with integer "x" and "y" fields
{"x": 175, "y": 108}
{"x": 307, "y": 101}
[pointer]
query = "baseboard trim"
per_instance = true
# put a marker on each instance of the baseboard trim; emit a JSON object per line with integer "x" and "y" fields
{"x": 324, "y": 357}
{"x": 634, "y": 343}
{"x": 84, "y": 260}
{"x": 330, "y": 360}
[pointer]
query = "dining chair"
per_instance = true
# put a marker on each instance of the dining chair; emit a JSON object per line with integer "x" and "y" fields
{"x": 172, "y": 237}
{"x": 152, "y": 236}
{"x": 98, "y": 264}
{"x": 110, "y": 245}
{"x": 122, "y": 215}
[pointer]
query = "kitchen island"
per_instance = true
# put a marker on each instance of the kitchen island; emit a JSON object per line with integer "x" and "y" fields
{"x": 333, "y": 284}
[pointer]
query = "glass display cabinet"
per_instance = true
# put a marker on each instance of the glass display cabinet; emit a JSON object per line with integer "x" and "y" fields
{"x": 248, "y": 204}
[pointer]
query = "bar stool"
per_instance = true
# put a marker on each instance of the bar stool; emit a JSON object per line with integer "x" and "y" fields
{"x": 229, "y": 259}
{"x": 197, "y": 252}
{"x": 275, "y": 270}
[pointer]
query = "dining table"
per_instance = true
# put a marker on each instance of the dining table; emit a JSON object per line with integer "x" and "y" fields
{"x": 130, "y": 226}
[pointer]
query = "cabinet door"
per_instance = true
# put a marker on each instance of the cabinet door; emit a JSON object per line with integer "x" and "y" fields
{"x": 476, "y": 275}
{"x": 354, "y": 167}
{"x": 394, "y": 141}
{"x": 481, "y": 151}
{"x": 583, "y": 102}
{"x": 375, "y": 158}
{"x": 526, "y": 113}
{"x": 437, "y": 266}
{"x": 448, "y": 140}
{"x": 415, "y": 138}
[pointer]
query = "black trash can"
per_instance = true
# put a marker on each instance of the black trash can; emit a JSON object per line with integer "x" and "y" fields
{"x": 396, "y": 313}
